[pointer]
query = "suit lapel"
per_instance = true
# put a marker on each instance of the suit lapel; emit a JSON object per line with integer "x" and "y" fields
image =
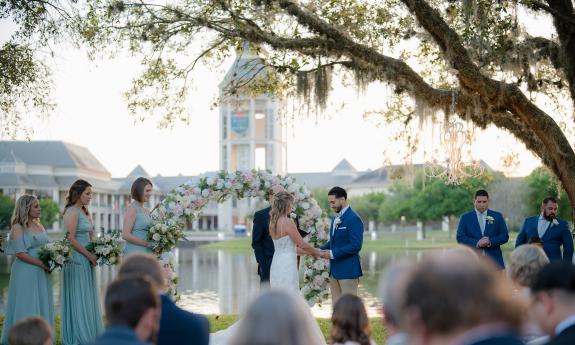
{"x": 547, "y": 230}
{"x": 341, "y": 219}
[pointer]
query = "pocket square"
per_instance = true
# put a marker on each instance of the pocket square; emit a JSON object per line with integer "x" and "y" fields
{"x": 342, "y": 227}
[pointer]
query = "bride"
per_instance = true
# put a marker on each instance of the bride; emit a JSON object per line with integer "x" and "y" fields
{"x": 284, "y": 271}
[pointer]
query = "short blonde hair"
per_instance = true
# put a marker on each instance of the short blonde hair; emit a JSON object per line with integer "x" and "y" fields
{"x": 525, "y": 262}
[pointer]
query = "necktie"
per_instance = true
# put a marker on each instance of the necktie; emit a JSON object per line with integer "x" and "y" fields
{"x": 482, "y": 222}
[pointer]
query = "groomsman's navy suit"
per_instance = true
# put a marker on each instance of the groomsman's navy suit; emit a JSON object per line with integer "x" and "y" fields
{"x": 178, "y": 326}
{"x": 554, "y": 237}
{"x": 345, "y": 243}
{"x": 262, "y": 243}
{"x": 469, "y": 233}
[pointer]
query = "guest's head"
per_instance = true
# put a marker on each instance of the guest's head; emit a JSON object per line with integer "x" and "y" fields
{"x": 281, "y": 206}
{"x": 549, "y": 208}
{"x": 27, "y": 209}
{"x": 524, "y": 264}
{"x": 80, "y": 194}
{"x": 392, "y": 293}
{"x": 337, "y": 199}
{"x": 133, "y": 301}
{"x": 276, "y": 318}
{"x": 141, "y": 189}
{"x": 464, "y": 251}
{"x": 30, "y": 331}
{"x": 349, "y": 321}
{"x": 144, "y": 264}
{"x": 535, "y": 240}
{"x": 448, "y": 295}
{"x": 554, "y": 295}
{"x": 481, "y": 200}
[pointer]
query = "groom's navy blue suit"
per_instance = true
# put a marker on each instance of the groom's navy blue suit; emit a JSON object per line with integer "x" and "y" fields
{"x": 345, "y": 242}
{"x": 469, "y": 233}
{"x": 553, "y": 238}
{"x": 262, "y": 243}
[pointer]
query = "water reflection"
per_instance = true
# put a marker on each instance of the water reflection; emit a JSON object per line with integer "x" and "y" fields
{"x": 222, "y": 282}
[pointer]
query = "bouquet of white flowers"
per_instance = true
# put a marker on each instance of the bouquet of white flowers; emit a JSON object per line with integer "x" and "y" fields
{"x": 108, "y": 248}
{"x": 164, "y": 236}
{"x": 55, "y": 254}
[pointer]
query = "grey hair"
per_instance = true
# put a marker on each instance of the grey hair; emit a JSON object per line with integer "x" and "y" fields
{"x": 392, "y": 286}
{"x": 276, "y": 317}
{"x": 525, "y": 262}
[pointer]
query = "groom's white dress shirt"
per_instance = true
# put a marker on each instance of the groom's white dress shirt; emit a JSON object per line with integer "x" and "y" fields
{"x": 333, "y": 228}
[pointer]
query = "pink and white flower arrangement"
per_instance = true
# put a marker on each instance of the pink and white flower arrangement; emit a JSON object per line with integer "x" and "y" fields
{"x": 186, "y": 202}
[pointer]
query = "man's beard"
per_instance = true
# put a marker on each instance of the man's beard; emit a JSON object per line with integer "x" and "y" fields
{"x": 549, "y": 217}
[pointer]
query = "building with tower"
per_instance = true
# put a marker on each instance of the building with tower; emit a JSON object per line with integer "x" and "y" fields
{"x": 252, "y": 135}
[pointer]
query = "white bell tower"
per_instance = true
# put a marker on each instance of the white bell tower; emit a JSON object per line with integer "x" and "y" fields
{"x": 251, "y": 133}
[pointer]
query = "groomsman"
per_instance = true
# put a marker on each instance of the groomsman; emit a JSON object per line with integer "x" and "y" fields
{"x": 552, "y": 230}
{"x": 483, "y": 229}
{"x": 345, "y": 241}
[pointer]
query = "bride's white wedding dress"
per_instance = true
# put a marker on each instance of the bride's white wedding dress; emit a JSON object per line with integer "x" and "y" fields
{"x": 283, "y": 275}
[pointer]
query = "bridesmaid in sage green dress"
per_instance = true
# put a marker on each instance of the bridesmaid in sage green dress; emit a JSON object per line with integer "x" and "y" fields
{"x": 30, "y": 288}
{"x": 137, "y": 219}
{"x": 81, "y": 320}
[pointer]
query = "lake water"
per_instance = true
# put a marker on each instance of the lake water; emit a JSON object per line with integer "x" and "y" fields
{"x": 223, "y": 282}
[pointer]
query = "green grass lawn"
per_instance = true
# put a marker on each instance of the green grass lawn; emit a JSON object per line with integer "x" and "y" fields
{"x": 386, "y": 241}
{"x": 219, "y": 322}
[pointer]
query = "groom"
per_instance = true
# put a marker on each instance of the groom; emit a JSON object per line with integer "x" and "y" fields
{"x": 345, "y": 240}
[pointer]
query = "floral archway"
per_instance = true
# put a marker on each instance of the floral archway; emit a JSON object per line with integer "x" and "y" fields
{"x": 186, "y": 202}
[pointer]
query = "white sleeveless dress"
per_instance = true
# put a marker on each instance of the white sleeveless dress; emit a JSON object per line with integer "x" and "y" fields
{"x": 283, "y": 275}
{"x": 284, "y": 270}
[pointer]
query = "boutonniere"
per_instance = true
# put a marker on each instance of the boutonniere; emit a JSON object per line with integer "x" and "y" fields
{"x": 293, "y": 215}
{"x": 490, "y": 219}
{"x": 555, "y": 221}
{"x": 337, "y": 222}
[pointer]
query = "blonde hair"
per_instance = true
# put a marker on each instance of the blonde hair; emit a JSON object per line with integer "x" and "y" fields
{"x": 280, "y": 207}
{"x": 22, "y": 210}
{"x": 525, "y": 262}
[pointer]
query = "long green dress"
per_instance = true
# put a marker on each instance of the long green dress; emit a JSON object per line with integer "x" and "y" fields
{"x": 30, "y": 288}
{"x": 81, "y": 318}
{"x": 140, "y": 229}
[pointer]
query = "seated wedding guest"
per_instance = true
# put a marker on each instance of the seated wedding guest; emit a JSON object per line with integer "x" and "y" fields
{"x": 392, "y": 294}
{"x": 349, "y": 322}
{"x": 30, "y": 286}
{"x": 32, "y": 330}
{"x": 450, "y": 299}
{"x": 524, "y": 265}
{"x": 176, "y": 324}
{"x": 554, "y": 301}
{"x": 278, "y": 317}
{"x": 133, "y": 310}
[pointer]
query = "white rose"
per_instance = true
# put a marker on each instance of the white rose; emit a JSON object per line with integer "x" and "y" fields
{"x": 60, "y": 259}
{"x": 205, "y": 193}
{"x": 112, "y": 260}
{"x": 305, "y": 205}
{"x": 156, "y": 237}
{"x": 209, "y": 180}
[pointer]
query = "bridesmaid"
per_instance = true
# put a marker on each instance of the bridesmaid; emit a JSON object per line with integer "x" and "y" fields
{"x": 30, "y": 288}
{"x": 81, "y": 320}
{"x": 137, "y": 219}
